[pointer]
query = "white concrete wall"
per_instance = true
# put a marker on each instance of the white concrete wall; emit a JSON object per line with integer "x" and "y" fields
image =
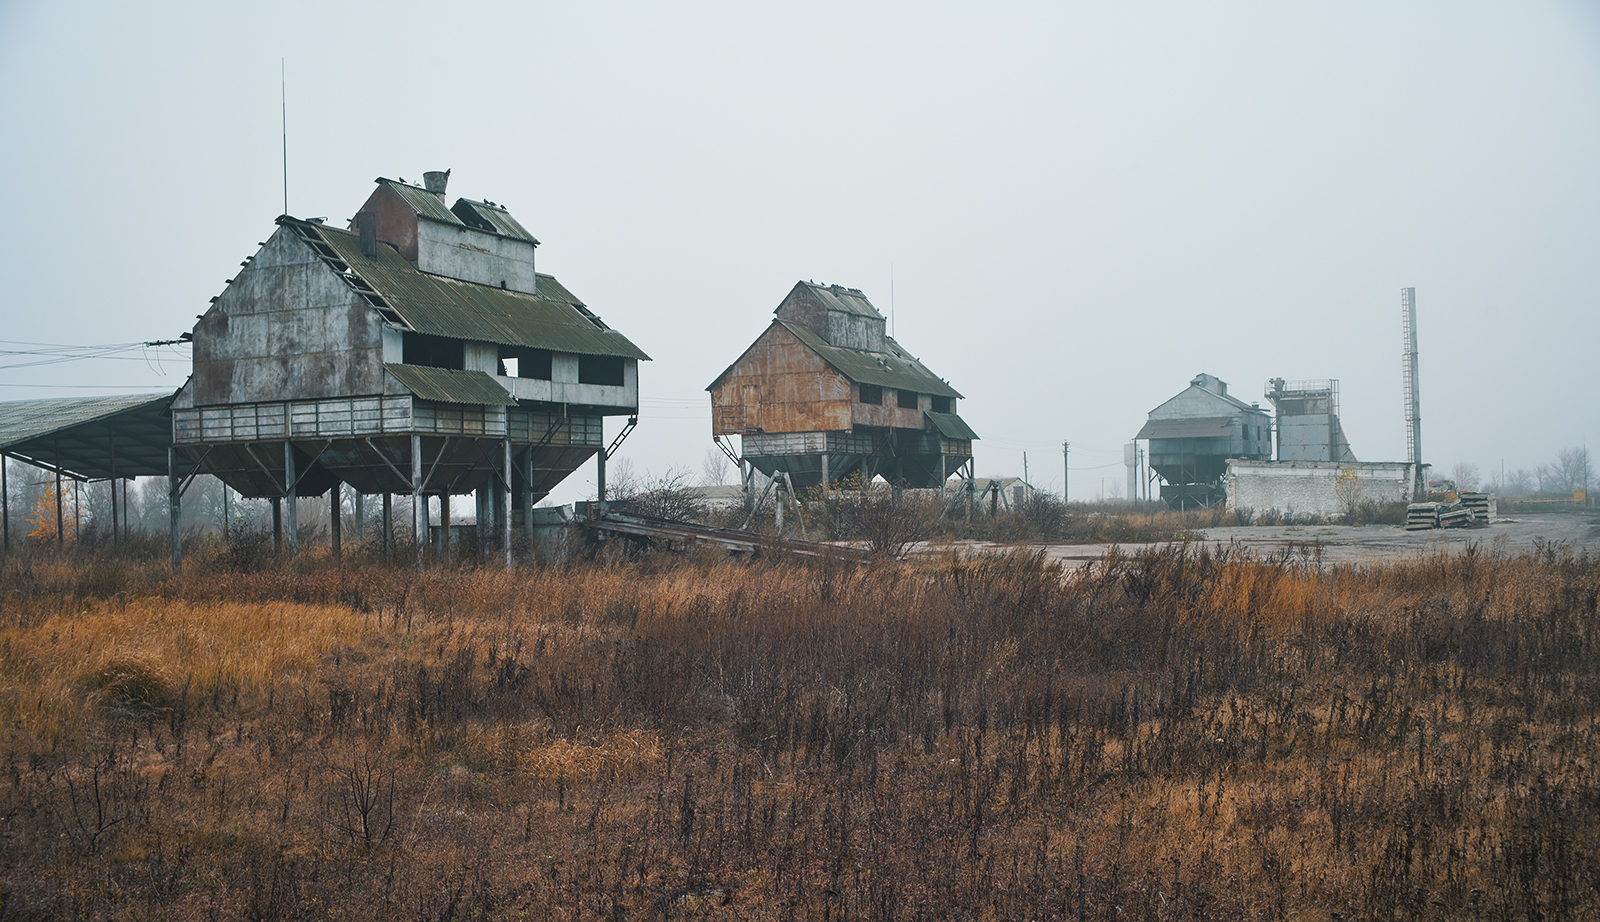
{"x": 1308, "y": 486}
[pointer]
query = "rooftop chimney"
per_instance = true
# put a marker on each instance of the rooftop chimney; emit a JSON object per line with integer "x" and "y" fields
{"x": 434, "y": 181}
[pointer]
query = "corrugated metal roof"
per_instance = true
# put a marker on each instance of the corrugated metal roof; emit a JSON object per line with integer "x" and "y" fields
{"x": 492, "y": 218}
{"x": 1201, "y": 428}
{"x": 950, "y": 425}
{"x": 91, "y": 437}
{"x": 885, "y": 369}
{"x": 424, "y": 203}
{"x": 553, "y": 319}
{"x": 449, "y": 386}
{"x": 839, "y": 298}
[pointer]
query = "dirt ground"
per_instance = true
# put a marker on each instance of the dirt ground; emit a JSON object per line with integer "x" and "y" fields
{"x": 1343, "y": 544}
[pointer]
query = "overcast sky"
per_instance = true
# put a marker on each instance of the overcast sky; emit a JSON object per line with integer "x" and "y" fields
{"x": 1081, "y": 206}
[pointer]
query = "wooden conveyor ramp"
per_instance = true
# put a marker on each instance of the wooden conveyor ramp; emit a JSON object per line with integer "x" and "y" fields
{"x": 682, "y": 535}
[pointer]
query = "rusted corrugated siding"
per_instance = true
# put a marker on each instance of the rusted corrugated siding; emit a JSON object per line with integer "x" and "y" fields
{"x": 780, "y": 385}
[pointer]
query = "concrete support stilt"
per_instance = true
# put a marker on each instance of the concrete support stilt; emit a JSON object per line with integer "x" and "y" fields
{"x": 174, "y": 508}
{"x": 504, "y": 492}
{"x": 335, "y": 502}
{"x": 388, "y": 527}
{"x": 292, "y": 521}
{"x": 419, "y": 506}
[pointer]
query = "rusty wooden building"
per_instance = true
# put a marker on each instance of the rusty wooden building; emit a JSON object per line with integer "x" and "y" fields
{"x": 416, "y": 352}
{"x": 825, "y": 393}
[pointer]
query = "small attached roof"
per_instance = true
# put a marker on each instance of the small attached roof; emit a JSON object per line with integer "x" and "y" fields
{"x": 446, "y": 385}
{"x": 553, "y": 319}
{"x": 90, "y": 438}
{"x": 895, "y": 368}
{"x": 487, "y": 216}
{"x": 949, "y": 425}
{"x": 1207, "y": 427}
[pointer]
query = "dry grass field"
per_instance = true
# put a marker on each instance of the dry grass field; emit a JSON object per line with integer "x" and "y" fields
{"x": 1176, "y": 734}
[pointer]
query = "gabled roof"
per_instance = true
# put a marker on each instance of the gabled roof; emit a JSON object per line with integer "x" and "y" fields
{"x": 486, "y": 216}
{"x": 450, "y": 386}
{"x": 552, "y": 319}
{"x": 838, "y": 298}
{"x": 90, "y": 437}
{"x": 424, "y": 203}
{"x": 895, "y": 368}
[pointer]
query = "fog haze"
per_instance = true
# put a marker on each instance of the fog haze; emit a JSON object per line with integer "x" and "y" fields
{"x": 1076, "y": 207}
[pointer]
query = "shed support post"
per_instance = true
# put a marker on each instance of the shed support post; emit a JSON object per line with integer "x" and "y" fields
{"x": 5, "y": 503}
{"x": 504, "y": 491}
{"x": 600, "y": 477}
{"x": 777, "y": 499}
{"x": 824, "y": 474}
{"x": 61, "y": 528}
{"x": 335, "y": 501}
{"x": 388, "y": 527}
{"x": 292, "y": 530}
{"x": 174, "y": 508}
{"x": 419, "y": 506}
{"x": 277, "y": 525}
{"x": 483, "y": 500}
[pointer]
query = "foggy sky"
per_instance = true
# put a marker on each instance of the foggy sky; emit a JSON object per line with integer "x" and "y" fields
{"x": 1081, "y": 205}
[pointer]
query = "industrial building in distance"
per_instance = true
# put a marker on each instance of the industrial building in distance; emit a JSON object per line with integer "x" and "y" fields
{"x": 1209, "y": 448}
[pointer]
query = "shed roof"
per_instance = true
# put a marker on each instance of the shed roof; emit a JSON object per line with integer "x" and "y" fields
{"x": 1193, "y": 428}
{"x": 950, "y": 425}
{"x": 552, "y": 319}
{"x": 896, "y": 369}
{"x": 489, "y": 217}
{"x": 90, "y": 438}
{"x": 450, "y": 386}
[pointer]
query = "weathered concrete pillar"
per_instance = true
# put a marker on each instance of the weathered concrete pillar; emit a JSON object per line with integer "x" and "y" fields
{"x": 361, "y": 516}
{"x": 335, "y": 500}
{"x": 5, "y": 505}
{"x": 174, "y": 508}
{"x": 444, "y": 526}
{"x": 600, "y": 476}
{"x": 419, "y": 506}
{"x": 824, "y": 474}
{"x": 292, "y": 529}
{"x": 503, "y": 490}
{"x": 388, "y": 527}
{"x": 277, "y": 525}
{"x": 527, "y": 492}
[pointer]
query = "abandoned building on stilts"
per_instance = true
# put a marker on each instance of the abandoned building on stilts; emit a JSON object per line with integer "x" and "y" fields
{"x": 415, "y": 352}
{"x": 825, "y": 394}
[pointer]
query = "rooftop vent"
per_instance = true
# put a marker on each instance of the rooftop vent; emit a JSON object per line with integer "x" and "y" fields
{"x": 435, "y": 181}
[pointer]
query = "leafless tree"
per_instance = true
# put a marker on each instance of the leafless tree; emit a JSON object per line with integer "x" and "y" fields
{"x": 1466, "y": 476}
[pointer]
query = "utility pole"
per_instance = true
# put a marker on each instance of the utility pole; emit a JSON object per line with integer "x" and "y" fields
{"x": 1065, "y": 468}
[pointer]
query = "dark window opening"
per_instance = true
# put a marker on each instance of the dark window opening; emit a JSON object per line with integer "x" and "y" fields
{"x": 872, "y": 393}
{"x": 600, "y": 369}
{"x": 906, "y": 400}
{"x": 522, "y": 362}
{"x": 434, "y": 351}
{"x": 939, "y": 404}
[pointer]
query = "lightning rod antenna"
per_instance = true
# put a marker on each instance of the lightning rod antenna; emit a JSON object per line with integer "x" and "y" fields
{"x": 283, "y": 100}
